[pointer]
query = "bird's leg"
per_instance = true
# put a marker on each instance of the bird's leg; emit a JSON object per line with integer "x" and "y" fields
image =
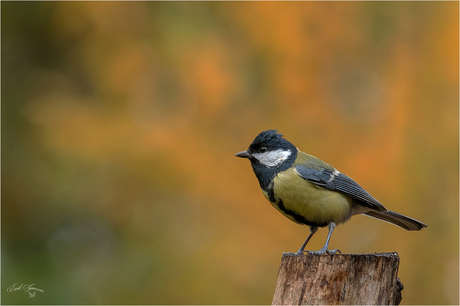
{"x": 313, "y": 230}
{"x": 324, "y": 249}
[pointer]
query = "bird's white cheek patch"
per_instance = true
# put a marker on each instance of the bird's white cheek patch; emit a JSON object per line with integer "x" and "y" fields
{"x": 272, "y": 158}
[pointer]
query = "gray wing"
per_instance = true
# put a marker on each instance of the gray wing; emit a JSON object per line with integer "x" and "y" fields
{"x": 337, "y": 181}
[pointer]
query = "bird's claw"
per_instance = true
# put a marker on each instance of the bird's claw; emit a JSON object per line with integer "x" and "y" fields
{"x": 292, "y": 253}
{"x": 322, "y": 252}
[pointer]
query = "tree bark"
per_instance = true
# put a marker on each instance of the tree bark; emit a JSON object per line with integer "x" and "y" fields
{"x": 346, "y": 279}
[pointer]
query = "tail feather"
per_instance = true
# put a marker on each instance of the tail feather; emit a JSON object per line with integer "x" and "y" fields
{"x": 392, "y": 217}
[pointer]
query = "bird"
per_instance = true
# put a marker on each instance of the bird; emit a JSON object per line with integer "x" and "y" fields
{"x": 308, "y": 191}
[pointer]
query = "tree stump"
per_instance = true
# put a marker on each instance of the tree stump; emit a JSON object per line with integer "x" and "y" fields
{"x": 346, "y": 279}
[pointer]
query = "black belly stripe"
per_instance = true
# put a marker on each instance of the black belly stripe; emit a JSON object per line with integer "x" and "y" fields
{"x": 298, "y": 218}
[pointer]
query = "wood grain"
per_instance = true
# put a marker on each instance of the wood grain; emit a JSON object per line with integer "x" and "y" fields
{"x": 341, "y": 279}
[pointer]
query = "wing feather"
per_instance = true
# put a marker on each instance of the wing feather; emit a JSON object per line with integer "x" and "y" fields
{"x": 337, "y": 181}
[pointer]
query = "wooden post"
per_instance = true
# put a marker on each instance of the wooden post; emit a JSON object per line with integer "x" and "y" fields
{"x": 348, "y": 279}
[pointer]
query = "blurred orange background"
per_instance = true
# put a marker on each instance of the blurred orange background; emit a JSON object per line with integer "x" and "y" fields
{"x": 120, "y": 121}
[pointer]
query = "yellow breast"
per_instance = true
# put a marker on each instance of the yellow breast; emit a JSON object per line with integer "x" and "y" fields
{"x": 316, "y": 204}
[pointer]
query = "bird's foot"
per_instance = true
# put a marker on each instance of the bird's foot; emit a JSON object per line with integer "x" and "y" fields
{"x": 333, "y": 251}
{"x": 292, "y": 253}
{"x": 324, "y": 251}
{"x": 320, "y": 252}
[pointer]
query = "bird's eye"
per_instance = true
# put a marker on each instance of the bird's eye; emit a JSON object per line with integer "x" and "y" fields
{"x": 262, "y": 149}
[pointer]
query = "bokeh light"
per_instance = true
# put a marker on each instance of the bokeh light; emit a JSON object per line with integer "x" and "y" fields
{"x": 120, "y": 121}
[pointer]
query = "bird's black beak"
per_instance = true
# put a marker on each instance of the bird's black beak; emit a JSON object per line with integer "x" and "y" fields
{"x": 243, "y": 154}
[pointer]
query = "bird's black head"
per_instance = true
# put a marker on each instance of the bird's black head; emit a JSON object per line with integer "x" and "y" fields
{"x": 269, "y": 154}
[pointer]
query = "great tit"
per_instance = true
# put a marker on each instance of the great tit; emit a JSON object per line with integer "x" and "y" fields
{"x": 309, "y": 191}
